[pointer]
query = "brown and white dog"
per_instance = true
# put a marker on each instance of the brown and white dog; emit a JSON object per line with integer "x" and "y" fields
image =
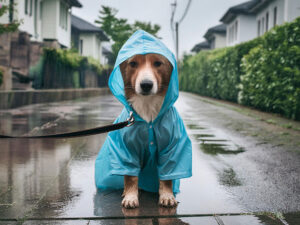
{"x": 146, "y": 79}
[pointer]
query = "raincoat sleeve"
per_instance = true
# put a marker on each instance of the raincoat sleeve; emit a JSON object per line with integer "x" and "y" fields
{"x": 174, "y": 148}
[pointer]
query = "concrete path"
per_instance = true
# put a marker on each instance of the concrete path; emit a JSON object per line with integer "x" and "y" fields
{"x": 246, "y": 167}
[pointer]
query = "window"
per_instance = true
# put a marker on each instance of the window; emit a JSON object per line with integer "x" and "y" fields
{"x": 41, "y": 10}
{"x": 63, "y": 18}
{"x": 263, "y": 25}
{"x": 275, "y": 17}
{"x": 258, "y": 28}
{"x": 31, "y": 7}
{"x": 267, "y": 21}
{"x": 26, "y": 7}
{"x": 235, "y": 30}
{"x": 80, "y": 46}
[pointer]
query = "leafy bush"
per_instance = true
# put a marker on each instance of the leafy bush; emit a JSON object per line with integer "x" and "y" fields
{"x": 60, "y": 68}
{"x": 263, "y": 73}
{"x": 215, "y": 73}
{"x": 1, "y": 77}
{"x": 9, "y": 27}
{"x": 271, "y": 81}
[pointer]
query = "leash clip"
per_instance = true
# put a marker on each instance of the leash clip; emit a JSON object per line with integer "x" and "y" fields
{"x": 130, "y": 120}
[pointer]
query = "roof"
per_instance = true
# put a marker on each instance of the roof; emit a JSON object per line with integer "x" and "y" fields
{"x": 201, "y": 46}
{"x": 259, "y": 5}
{"x": 106, "y": 50}
{"x": 75, "y": 3}
{"x": 219, "y": 29}
{"x": 243, "y": 8}
{"x": 83, "y": 26}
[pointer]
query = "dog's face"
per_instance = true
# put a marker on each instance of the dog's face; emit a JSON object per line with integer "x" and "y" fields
{"x": 146, "y": 75}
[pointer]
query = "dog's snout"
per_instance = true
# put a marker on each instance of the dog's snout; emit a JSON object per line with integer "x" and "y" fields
{"x": 146, "y": 86}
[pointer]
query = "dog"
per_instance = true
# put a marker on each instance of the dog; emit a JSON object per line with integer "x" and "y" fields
{"x": 146, "y": 80}
{"x": 155, "y": 152}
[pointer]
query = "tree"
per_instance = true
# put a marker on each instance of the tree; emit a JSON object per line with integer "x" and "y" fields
{"x": 9, "y": 27}
{"x": 119, "y": 30}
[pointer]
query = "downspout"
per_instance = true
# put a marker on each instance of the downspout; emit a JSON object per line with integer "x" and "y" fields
{"x": 286, "y": 10}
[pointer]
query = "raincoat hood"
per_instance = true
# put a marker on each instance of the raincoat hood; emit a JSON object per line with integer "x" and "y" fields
{"x": 142, "y": 43}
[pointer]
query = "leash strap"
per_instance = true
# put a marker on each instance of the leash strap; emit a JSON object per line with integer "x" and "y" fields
{"x": 129, "y": 122}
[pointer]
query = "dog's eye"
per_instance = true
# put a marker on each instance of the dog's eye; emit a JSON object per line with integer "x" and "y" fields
{"x": 157, "y": 63}
{"x": 133, "y": 64}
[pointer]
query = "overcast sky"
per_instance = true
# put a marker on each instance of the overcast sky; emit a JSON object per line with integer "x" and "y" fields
{"x": 202, "y": 15}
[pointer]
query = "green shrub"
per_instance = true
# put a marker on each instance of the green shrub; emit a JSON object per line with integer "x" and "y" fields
{"x": 263, "y": 73}
{"x": 1, "y": 77}
{"x": 271, "y": 81}
{"x": 215, "y": 73}
{"x": 61, "y": 68}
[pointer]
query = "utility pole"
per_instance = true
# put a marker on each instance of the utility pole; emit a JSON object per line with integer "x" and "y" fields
{"x": 174, "y": 5}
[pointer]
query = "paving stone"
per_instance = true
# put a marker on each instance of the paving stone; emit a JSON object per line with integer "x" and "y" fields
{"x": 189, "y": 220}
{"x": 56, "y": 222}
{"x": 121, "y": 222}
{"x": 249, "y": 220}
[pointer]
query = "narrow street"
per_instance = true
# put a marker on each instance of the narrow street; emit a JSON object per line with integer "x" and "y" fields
{"x": 244, "y": 162}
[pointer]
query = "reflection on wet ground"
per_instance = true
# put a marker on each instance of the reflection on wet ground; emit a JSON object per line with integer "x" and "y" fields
{"x": 51, "y": 181}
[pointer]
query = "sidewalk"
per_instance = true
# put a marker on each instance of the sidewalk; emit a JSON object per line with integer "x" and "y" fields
{"x": 236, "y": 175}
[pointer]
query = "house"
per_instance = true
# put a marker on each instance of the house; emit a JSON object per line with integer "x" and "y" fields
{"x": 240, "y": 23}
{"x": 253, "y": 18}
{"x": 270, "y": 13}
{"x": 215, "y": 38}
{"x": 44, "y": 20}
{"x": 87, "y": 39}
{"x": 202, "y": 46}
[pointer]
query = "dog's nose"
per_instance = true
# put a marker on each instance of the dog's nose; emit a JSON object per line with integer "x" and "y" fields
{"x": 146, "y": 85}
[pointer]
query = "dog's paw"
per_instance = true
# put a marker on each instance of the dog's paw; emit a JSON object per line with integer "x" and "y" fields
{"x": 167, "y": 200}
{"x": 130, "y": 201}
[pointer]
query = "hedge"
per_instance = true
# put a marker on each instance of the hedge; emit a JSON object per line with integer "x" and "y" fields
{"x": 60, "y": 68}
{"x": 1, "y": 77}
{"x": 262, "y": 73}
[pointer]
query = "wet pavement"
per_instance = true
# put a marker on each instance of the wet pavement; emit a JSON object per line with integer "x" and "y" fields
{"x": 245, "y": 171}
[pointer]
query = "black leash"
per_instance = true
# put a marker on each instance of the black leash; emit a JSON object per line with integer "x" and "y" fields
{"x": 129, "y": 122}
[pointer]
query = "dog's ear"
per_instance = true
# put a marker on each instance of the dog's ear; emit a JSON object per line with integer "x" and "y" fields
{"x": 123, "y": 67}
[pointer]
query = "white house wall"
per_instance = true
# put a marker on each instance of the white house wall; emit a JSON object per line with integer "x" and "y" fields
{"x": 64, "y": 35}
{"x": 220, "y": 40}
{"x": 28, "y": 21}
{"x": 293, "y": 10}
{"x": 91, "y": 45}
{"x": 50, "y": 16}
{"x": 5, "y": 18}
{"x": 261, "y": 16}
{"x": 247, "y": 28}
{"x": 51, "y": 28}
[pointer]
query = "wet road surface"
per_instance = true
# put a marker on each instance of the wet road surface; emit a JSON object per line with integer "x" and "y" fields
{"x": 238, "y": 168}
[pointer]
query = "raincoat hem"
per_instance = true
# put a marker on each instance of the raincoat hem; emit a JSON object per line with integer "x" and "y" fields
{"x": 175, "y": 176}
{"x": 122, "y": 172}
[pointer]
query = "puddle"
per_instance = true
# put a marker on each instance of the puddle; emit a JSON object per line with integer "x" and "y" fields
{"x": 214, "y": 149}
{"x": 229, "y": 178}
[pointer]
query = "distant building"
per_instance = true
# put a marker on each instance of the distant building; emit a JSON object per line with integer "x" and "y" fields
{"x": 253, "y": 18}
{"x": 87, "y": 39}
{"x": 44, "y": 20}
{"x": 202, "y": 46}
{"x": 240, "y": 23}
{"x": 270, "y": 13}
{"x": 215, "y": 38}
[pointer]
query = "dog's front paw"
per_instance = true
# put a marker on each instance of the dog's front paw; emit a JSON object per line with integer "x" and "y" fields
{"x": 130, "y": 201}
{"x": 167, "y": 200}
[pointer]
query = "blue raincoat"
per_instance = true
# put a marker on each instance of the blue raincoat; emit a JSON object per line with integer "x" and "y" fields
{"x": 157, "y": 150}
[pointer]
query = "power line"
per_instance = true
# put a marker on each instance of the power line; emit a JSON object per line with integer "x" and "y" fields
{"x": 176, "y": 35}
